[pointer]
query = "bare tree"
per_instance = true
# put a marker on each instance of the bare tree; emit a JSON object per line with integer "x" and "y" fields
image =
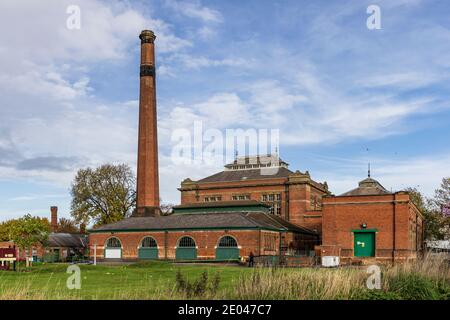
{"x": 166, "y": 209}
{"x": 103, "y": 195}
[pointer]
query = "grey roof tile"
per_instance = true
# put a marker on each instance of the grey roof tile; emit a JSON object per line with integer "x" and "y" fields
{"x": 250, "y": 174}
{"x": 202, "y": 220}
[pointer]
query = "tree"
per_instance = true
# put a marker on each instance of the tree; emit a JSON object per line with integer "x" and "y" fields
{"x": 67, "y": 226}
{"x": 442, "y": 195}
{"x": 431, "y": 217}
{"x": 166, "y": 209}
{"x": 29, "y": 231}
{"x": 440, "y": 201}
{"x": 434, "y": 220}
{"x": 103, "y": 195}
{"x": 6, "y": 228}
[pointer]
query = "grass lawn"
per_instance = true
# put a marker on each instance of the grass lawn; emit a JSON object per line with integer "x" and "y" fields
{"x": 150, "y": 280}
{"x": 424, "y": 279}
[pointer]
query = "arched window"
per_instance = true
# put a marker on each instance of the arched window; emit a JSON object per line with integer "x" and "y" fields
{"x": 186, "y": 242}
{"x": 149, "y": 242}
{"x": 113, "y": 243}
{"x": 227, "y": 242}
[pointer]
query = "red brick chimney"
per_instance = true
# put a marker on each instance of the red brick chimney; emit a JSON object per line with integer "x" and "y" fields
{"x": 54, "y": 218}
{"x": 147, "y": 162}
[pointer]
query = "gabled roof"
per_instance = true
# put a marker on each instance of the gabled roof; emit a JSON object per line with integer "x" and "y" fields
{"x": 367, "y": 187}
{"x": 68, "y": 240}
{"x": 226, "y": 220}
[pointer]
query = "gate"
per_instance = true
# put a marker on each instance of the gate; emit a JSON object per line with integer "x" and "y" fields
{"x": 148, "y": 249}
{"x": 227, "y": 249}
{"x": 186, "y": 249}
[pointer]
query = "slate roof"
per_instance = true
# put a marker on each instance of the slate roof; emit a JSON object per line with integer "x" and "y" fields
{"x": 68, "y": 240}
{"x": 224, "y": 220}
{"x": 367, "y": 187}
{"x": 250, "y": 174}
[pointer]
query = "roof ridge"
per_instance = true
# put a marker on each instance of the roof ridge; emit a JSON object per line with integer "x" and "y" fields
{"x": 246, "y": 216}
{"x": 273, "y": 219}
{"x": 259, "y": 223}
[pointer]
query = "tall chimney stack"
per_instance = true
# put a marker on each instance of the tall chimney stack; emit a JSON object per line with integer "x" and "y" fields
{"x": 147, "y": 162}
{"x": 54, "y": 218}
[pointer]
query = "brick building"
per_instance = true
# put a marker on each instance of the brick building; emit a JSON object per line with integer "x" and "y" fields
{"x": 59, "y": 246}
{"x": 293, "y": 196}
{"x": 370, "y": 222}
{"x": 256, "y": 204}
{"x": 219, "y": 231}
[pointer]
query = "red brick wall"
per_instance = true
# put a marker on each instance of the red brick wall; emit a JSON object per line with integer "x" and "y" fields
{"x": 295, "y": 198}
{"x": 206, "y": 241}
{"x": 394, "y": 216}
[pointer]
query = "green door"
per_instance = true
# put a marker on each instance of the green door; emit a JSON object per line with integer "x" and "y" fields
{"x": 364, "y": 244}
{"x": 227, "y": 253}
{"x": 186, "y": 253}
{"x": 148, "y": 253}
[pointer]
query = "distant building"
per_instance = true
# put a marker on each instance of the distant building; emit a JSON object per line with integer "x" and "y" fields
{"x": 439, "y": 246}
{"x": 58, "y": 247}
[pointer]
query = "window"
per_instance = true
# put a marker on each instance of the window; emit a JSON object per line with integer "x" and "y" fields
{"x": 213, "y": 198}
{"x": 270, "y": 242}
{"x": 186, "y": 242}
{"x": 315, "y": 202}
{"x": 149, "y": 242}
{"x": 274, "y": 200}
{"x": 227, "y": 242}
{"x": 113, "y": 243}
{"x": 240, "y": 197}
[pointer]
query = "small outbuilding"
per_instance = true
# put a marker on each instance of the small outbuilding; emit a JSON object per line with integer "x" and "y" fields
{"x": 371, "y": 223}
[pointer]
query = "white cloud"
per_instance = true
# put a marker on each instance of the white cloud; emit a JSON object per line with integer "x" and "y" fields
{"x": 194, "y": 9}
{"x": 197, "y": 62}
{"x": 403, "y": 80}
{"x": 425, "y": 172}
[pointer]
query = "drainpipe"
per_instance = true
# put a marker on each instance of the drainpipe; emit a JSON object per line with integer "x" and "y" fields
{"x": 259, "y": 242}
{"x": 165, "y": 245}
{"x": 286, "y": 202}
{"x": 95, "y": 254}
{"x": 393, "y": 229}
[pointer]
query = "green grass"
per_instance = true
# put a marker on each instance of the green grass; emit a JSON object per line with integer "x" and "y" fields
{"x": 421, "y": 280}
{"x": 151, "y": 280}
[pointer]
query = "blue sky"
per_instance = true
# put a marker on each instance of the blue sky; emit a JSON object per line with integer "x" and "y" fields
{"x": 311, "y": 69}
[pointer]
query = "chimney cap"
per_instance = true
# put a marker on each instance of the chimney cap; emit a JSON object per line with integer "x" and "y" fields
{"x": 147, "y": 36}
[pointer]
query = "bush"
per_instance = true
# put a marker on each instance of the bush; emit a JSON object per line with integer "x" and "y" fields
{"x": 199, "y": 288}
{"x": 377, "y": 295}
{"x": 414, "y": 287}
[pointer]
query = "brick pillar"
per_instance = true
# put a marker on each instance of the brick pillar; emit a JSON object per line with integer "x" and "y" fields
{"x": 54, "y": 218}
{"x": 147, "y": 168}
